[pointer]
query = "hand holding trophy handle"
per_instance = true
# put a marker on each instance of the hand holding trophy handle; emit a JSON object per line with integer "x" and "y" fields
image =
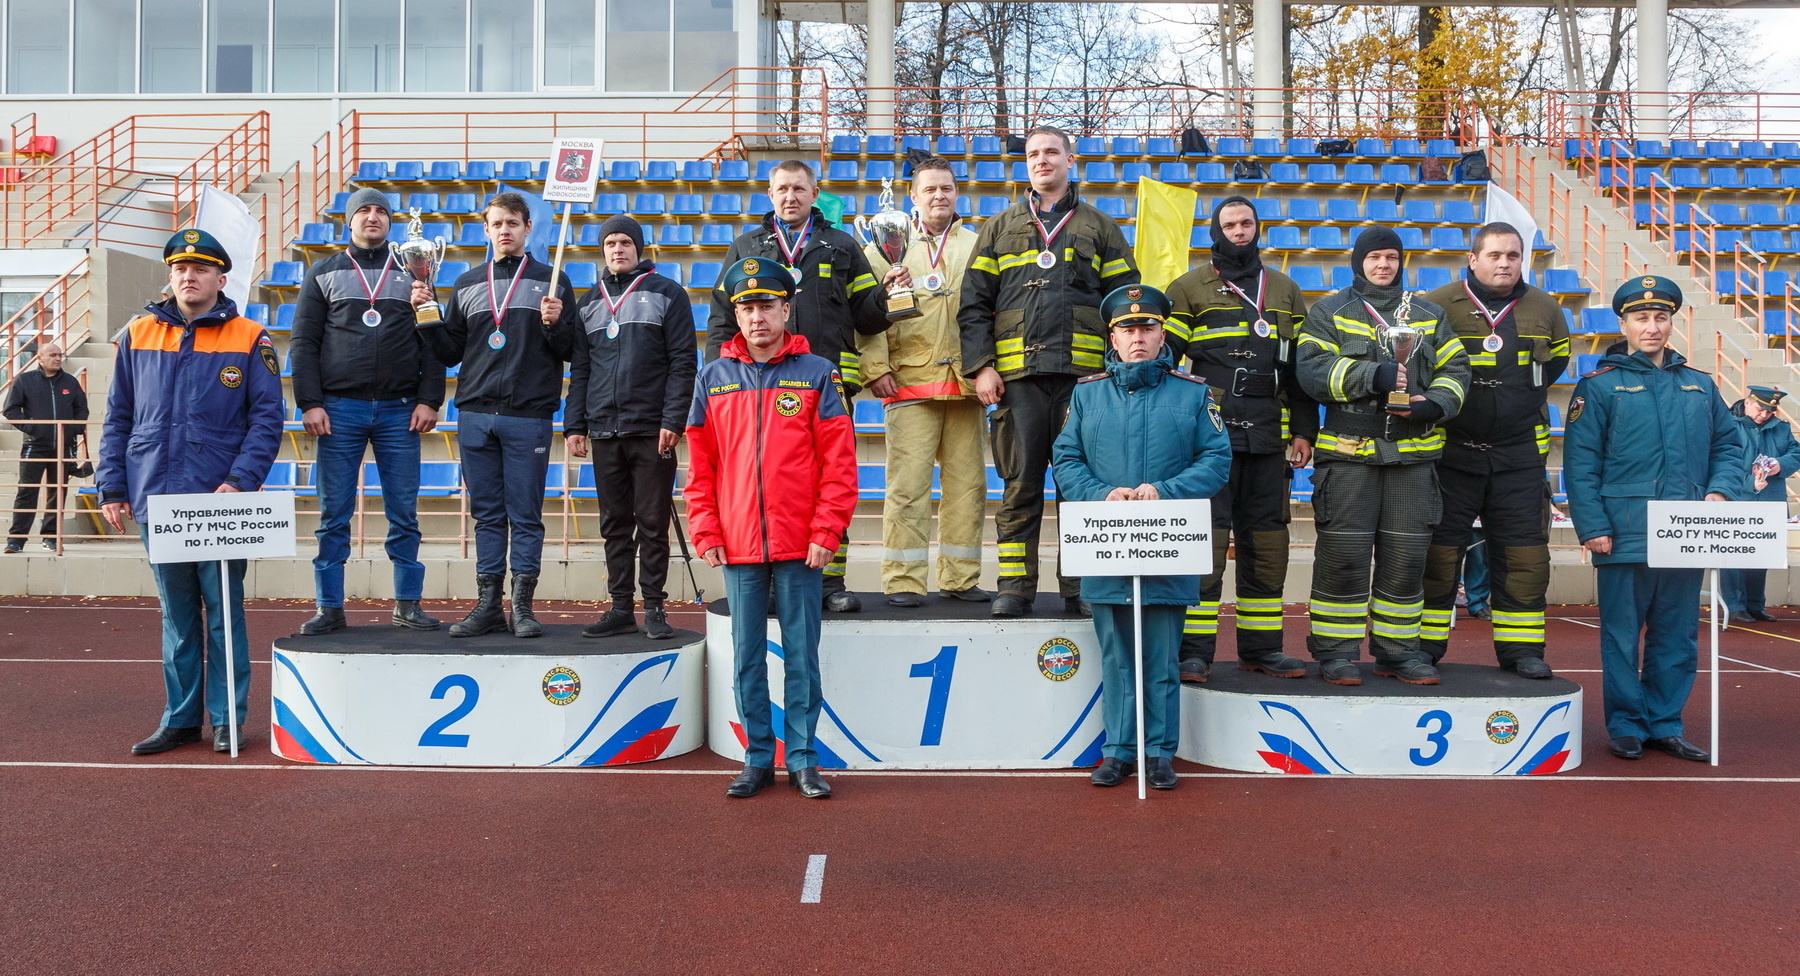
{"x": 1403, "y": 342}
{"x": 891, "y": 231}
{"x": 421, "y": 259}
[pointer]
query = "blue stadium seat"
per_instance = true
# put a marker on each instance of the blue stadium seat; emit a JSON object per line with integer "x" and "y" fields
{"x": 1760, "y": 178}
{"x": 284, "y": 319}
{"x": 609, "y": 204}
{"x": 759, "y": 205}
{"x": 1430, "y": 278}
{"x": 1342, "y": 210}
{"x": 1399, "y": 174}
{"x": 1564, "y": 281}
{"x": 1342, "y": 277}
{"x": 1302, "y": 148}
{"x": 1130, "y": 173}
{"x": 448, "y": 272}
{"x": 1769, "y": 242}
{"x": 725, "y": 205}
{"x": 876, "y": 170}
{"x": 1649, "y": 149}
{"x": 437, "y": 229}
{"x": 1089, "y": 146}
{"x": 717, "y": 235}
{"x": 985, "y": 146}
{"x": 648, "y": 205}
{"x": 1019, "y": 173}
{"x": 734, "y": 171}
{"x": 1755, "y": 150}
{"x": 1448, "y": 239}
{"x": 1762, "y": 214}
{"x": 1175, "y": 173}
{"x": 1201, "y": 237}
{"x": 284, "y": 274}
{"x": 408, "y": 172}
{"x": 880, "y": 146}
{"x": 1301, "y": 489}
{"x": 671, "y": 270}
{"x": 841, "y": 171}
{"x": 986, "y": 207}
{"x": 1282, "y": 237}
{"x": 1322, "y": 174}
{"x": 1309, "y": 211}
{"x": 625, "y": 171}
{"x": 908, "y": 144}
{"x": 1101, "y": 172}
{"x": 846, "y": 145}
{"x": 871, "y": 480}
{"x": 1441, "y": 148}
{"x": 1372, "y": 148}
{"x": 1726, "y": 214}
{"x": 1310, "y": 278}
{"x": 702, "y": 313}
{"x": 1163, "y": 146}
{"x": 1285, "y": 173}
{"x": 1720, "y": 150}
{"x": 1461, "y": 212}
{"x": 951, "y": 147}
{"x": 461, "y": 204}
{"x": 257, "y": 312}
{"x": 1268, "y": 148}
{"x": 1231, "y": 146}
{"x": 697, "y": 171}
{"x": 704, "y": 274}
{"x": 371, "y": 172}
{"x": 1420, "y": 211}
{"x": 675, "y": 235}
{"x": 471, "y": 235}
{"x": 336, "y": 207}
{"x": 686, "y": 205}
{"x": 868, "y": 416}
{"x": 1598, "y": 321}
{"x": 1407, "y": 149}
{"x": 479, "y": 171}
{"x": 1412, "y": 238}
{"x": 587, "y": 235}
{"x": 515, "y": 171}
{"x": 1212, "y": 173}
{"x": 1130, "y": 232}
{"x": 1114, "y": 207}
{"x": 1686, "y": 178}
{"x": 1724, "y": 178}
{"x": 582, "y": 274}
{"x": 1776, "y": 323}
{"x": 316, "y": 235}
{"x": 444, "y": 171}
{"x": 1361, "y": 174}
{"x": 990, "y": 171}
{"x": 1325, "y": 239}
{"x": 423, "y": 202}
{"x": 1127, "y": 146}
{"x": 1790, "y": 177}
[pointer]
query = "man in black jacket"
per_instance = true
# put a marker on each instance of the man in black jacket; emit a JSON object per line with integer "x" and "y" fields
{"x": 43, "y": 394}
{"x": 363, "y": 378}
{"x": 506, "y": 394}
{"x": 835, "y": 298}
{"x": 630, "y": 385}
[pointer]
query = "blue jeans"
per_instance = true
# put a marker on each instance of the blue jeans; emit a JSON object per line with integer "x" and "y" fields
{"x": 193, "y": 636}
{"x": 355, "y": 423}
{"x": 1744, "y": 590}
{"x": 797, "y": 600}
{"x": 1475, "y": 573}
{"x": 1162, "y": 679}
{"x": 504, "y": 463}
{"x": 1643, "y": 692}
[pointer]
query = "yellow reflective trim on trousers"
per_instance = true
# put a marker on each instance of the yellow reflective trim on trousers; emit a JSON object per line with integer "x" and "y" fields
{"x": 1341, "y": 609}
{"x": 1335, "y": 380}
{"x": 1325, "y": 628}
{"x": 862, "y": 283}
{"x": 1257, "y": 623}
{"x": 1113, "y": 267}
{"x": 1519, "y": 635}
{"x": 1434, "y": 631}
{"x": 985, "y": 263}
{"x": 1210, "y": 609}
{"x": 1393, "y": 609}
{"x": 1405, "y": 631}
{"x": 1308, "y": 339}
{"x": 1515, "y": 618}
{"x": 1437, "y": 616}
{"x": 1246, "y": 605}
{"x": 1012, "y": 548}
{"x": 1449, "y": 383}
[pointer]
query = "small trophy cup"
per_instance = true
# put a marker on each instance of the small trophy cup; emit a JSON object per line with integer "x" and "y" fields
{"x": 891, "y": 231}
{"x": 421, "y": 259}
{"x": 1402, "y": 340}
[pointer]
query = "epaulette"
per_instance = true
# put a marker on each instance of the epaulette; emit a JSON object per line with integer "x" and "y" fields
{"x": 1184, "y": 375}
{"x": 1597, "y": 372}
{"x": 1091, "y": 377}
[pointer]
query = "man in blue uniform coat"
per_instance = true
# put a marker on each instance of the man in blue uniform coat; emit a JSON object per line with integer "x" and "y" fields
{"x": 1646, "y": 426}
{"x": 1140, "y": 431}
{"x": 1771, "y": 454}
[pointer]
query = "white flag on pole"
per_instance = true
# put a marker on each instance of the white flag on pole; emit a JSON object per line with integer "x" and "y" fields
{"x": 1506, "y": 208}
{"x": 226, "y": 217}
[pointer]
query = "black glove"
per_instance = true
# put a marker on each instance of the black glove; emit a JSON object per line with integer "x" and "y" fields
{"x": 1387, "y": 377}
{"x": 1427, "y": 411}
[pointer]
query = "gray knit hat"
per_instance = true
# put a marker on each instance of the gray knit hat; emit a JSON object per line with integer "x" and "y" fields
{"x": 366, "y": 197}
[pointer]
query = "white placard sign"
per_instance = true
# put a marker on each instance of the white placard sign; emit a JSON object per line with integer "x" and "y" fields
{"x": 1718, "y": 535}
{"x": 1169, "y": 537}
{"x": 574, "y": 171}
{"x": 228, "y": 525}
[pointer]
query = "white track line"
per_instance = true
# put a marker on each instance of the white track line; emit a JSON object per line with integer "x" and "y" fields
{"x": 874, "y": 773}
{"x": 814, "y": 885}
{"x": 1753, "y": 664}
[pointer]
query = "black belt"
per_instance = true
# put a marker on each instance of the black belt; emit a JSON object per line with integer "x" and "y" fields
{"x": 1384, "y": 426}
{"x": 1246, "y": 383}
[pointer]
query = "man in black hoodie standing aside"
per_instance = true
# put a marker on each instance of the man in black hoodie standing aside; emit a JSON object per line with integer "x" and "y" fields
{"x": 630, "y": 385}
{"x": 1498, "y": 444}
{"x": 1375, "y": 488}
{"x": 45, "y": 394}
{"x": 1237, "y": 321}
{"x": 363, "y": 378}
{"x": 506, "y": 327}
{"x": 836, "y": 297}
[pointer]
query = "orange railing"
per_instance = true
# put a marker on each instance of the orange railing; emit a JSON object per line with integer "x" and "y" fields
{"x": 59, "y": 313}
{"x": 1716, "y": 115}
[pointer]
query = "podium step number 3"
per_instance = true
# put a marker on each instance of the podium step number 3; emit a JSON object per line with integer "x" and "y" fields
{"x": 1715, "y": 536}
{"x": 1170, "y": 537}
{"x": 221, "y": 526}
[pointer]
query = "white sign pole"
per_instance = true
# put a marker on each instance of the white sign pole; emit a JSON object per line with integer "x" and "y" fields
{"x": 1137, "y": 644}
{"x": 562, "y": 241}
{"x": 1716, "y": 614}
{"x": 230, "y": 657}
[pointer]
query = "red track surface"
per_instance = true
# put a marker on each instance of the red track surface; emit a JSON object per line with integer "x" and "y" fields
{"x": 193, "y": 863}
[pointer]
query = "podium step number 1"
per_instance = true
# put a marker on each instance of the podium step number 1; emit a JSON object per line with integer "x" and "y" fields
{"x": 221, "y": 526}
{"x": 1171, "y": 537}
{"x": 1715, "y": 536}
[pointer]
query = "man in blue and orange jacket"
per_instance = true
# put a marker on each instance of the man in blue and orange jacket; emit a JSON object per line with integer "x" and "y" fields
{"x": 771, "y": 489}
{"x": 195, "y": 406}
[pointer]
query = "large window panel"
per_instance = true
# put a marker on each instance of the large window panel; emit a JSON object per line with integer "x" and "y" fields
{"x": 434, "y": 45}
{"x": 37, "y": 47}
{"x": 637, "y": 45}
{"x": 171, "y": 50}
{"x": 500, "y": 57}
{"x": 705, "y": 42}
{"x": 568, "y": 43}
{"x": 105, "y": 46}
{"x": 238, "y": 32}
{"x": 303, "y": 45}
{"x": 369, "y": 39}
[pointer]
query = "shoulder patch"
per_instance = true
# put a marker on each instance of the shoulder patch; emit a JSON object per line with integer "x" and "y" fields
{"x": 1212, "y": 412}
{"x": 1575, "y": 407}
{"x": 267, "y": 352}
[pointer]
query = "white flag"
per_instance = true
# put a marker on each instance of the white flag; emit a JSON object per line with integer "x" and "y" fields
{"x": 1506, "y": 208}
{"x": 226, "y": 217}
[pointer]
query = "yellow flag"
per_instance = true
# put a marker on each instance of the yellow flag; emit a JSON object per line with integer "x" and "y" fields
{"x": 1165, "y": 223}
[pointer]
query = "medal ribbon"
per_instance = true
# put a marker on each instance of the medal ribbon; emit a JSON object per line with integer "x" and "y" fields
{"x": 379, "y": 278}
{"x": 1049, "y": 236}
{"x": 936, "y": 255}
{"x": 792, "y": 253}
{"x": 1492, "y": 319}
{"x": 499, "y": 309}
{"x": 1262, "y": 288}
{"x": 613, "y": 307}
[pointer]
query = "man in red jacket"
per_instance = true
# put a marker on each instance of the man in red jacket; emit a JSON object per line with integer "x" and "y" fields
{"x": 771, "y": 488}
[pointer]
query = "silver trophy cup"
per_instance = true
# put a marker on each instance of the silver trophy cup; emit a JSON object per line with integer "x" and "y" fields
{"x": 421, "y": 259}
{"x": 891, "y": 231}
{"x": 1402, "y": 340}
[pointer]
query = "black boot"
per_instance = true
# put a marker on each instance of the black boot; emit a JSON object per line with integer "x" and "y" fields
{"x": 656, "y": 622}
{"x": 524, "y": 622}
{"x": 325, "y": 621}
{"x": 407, "y": 614}
{"x": 618, "y": 620}
{"x": 487, "y": 616}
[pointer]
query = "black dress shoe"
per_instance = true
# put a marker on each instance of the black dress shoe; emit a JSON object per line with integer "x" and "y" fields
{"x": 1338, "y": 671}
{"x": 973, "y": 594}
{"x": 1626, "y": 747}
{"x": 1532, "y": 667}
{"x": 1740, "y": 617}
{"x": 843, "y": 601}
{"x": 1762, "y": 613}
{"x": 1679, "y": 747}
{"x": 1009, "y": 604}
{"x": 1077, "y": 606}
{"x": 1413, "y": 671}
{"x": 810, "y": 784}
{"x": 408, "y": 614}
{"x": 1110, "y": 772}
{"x": 165, "y": 739}
{"x": 905, "y": 600}
{"x": 1196, "y": 671}
{"x": 1272, "y": 663}
{"x": 1162, "y": 774}
{"x": 750, "y": 782}
{"x": 222, "y": 738}
{"x": 325, "y": 621}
